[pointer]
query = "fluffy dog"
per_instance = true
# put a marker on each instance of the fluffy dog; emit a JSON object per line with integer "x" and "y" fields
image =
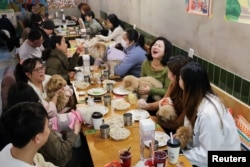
{"x": 166, "y": 110}
{"x": 56, "y": 83}
{"x": 184, "y": 135}
{"x": 133, "y": 83}
{"x": 111, "y": 56}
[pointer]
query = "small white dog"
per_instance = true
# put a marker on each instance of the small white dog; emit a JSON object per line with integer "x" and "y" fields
{"x": 132, "y": 83}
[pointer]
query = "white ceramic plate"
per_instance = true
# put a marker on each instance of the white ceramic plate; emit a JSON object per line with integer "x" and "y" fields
{"x": 120, "y": 104}
{"x": 161, "y": 137}
{"x": 87, "y": 112}
{"x": 116, "y": 121}
{"x": 119, "y": 133}
{"x": 120, "y": 91}
{"x": 138, "y": 114}
{"x": 81, "y": 85}
{"x": 97, "y": 91}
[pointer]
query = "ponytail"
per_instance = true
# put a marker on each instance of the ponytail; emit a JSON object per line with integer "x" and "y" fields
{"x": 141, "y": 41}
{"x": 133, "y": 35}
{"x": 20, "y": 74}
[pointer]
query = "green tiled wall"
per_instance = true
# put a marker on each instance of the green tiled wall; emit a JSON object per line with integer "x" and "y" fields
{"x": 227, "y": 81}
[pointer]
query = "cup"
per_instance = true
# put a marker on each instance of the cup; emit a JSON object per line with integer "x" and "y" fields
{"x": 109, "y": 87}
{"x": 97, "y": 119}
{"x": 104, "y": 128}
{"x": 132, "y": 98}
{"x": 86, "y": 78}
{"x": 127, "y": 117}
{"x": 160, "y": 157}
{"x": 107, "y": 100}
{"x": 106, "y": 74}
{"x": 156, "y": 146}
{"x": 173, "y": 150}
{"x": 125, "y": 158}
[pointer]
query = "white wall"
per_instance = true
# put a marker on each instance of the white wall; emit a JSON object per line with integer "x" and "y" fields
{"x": 214, "y": 39}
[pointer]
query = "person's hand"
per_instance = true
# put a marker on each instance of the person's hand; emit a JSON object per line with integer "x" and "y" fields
{"x": 77, "y": 128}
{"x": 144, "y": 90}
{"x": 80, "y": 49}
{"x": 142, "y": 104}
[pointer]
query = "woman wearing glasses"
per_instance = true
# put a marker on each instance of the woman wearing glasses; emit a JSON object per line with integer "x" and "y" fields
{"x": 32, "y": 71}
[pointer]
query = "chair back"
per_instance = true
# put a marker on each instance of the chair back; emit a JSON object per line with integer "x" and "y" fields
{"x": 7, "y": 81}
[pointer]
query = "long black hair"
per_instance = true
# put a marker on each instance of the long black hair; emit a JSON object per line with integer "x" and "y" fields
{"x": 133, "y": 35}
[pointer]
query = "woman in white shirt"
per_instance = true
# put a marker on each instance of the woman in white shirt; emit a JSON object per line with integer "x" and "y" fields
{"x": 116, "y": 29}
{"x": 212, "y": 125}
{"x": 32, "y": 71}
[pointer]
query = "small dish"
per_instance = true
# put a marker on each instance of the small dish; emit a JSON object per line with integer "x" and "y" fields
{"x": 161, "y": 137}
{"x": 120, "y": 91}
{"x": 119, "y": 133}
{"x": 81, "y": 85}
{"x": 97, "y": 91}
{"x": 138, "y": 114}
{"x": 120, "y": 104}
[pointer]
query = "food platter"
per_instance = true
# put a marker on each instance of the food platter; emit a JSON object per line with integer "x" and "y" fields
{"x": 138, "y": 114}
{"x": 161, "y": 137}
{"x": 120, "y": 104}
{"x": 81, "y": 85}
{"x": 116, "y": 121}
{"x": 97, "y": 91}
{"x": 119, "y": 133}
{"x": 120, "y": 91}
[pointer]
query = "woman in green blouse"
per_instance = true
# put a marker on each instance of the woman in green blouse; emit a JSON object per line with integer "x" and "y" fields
{"x": 156, "y": 66}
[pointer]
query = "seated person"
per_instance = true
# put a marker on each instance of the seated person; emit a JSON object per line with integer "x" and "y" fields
{"x": 156, "y": 66}
{"x": 60, "y": 151}
{"x": 32, "y": 47}
{"x": 56, "y": 58}
{"x": 26, "y": 125}
{"x": 170, "y": 122}
{"x": 210, "y": 124}
{"x": 92, "y": 26}
{"x": 133, "y": 42}
{"x": 116, "y": 29}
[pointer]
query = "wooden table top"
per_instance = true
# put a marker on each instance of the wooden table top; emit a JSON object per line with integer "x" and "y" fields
{"x": 104, "y": 151}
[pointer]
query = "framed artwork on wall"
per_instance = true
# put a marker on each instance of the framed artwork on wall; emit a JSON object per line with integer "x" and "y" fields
{"x": 200, "y": 7}
{"x": 238, "y": 11}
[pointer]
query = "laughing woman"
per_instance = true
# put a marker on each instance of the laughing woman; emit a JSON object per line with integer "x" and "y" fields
{"x": 32, "y": 71}
{"x": 156, "y": 66}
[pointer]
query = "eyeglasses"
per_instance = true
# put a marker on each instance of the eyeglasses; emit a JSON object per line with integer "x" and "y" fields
{"x": 39, "y": 69}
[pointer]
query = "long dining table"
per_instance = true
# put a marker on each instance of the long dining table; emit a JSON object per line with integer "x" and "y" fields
{"x": 104, "y": 151}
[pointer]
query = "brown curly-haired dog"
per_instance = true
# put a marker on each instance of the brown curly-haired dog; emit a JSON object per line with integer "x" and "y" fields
{"x": 55, "y": 83}
{"x": 184, "y": 135}
{"x": 132, "y": 83}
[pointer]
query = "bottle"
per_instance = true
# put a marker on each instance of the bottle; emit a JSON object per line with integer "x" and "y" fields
{"x": 147, "y": 133}
{"x": 63, "y": 16}
{"x": 86, "y": 64}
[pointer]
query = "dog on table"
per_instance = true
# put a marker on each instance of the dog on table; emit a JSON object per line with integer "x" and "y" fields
{"x": 111, "y": 56}
{"x": 132, "y": 83}
{"x": 56, "y": 83}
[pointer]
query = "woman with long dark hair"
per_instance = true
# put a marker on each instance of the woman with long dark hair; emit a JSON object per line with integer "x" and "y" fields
{"x": 133, "y": 44}
{"x": 212, "y": 125}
